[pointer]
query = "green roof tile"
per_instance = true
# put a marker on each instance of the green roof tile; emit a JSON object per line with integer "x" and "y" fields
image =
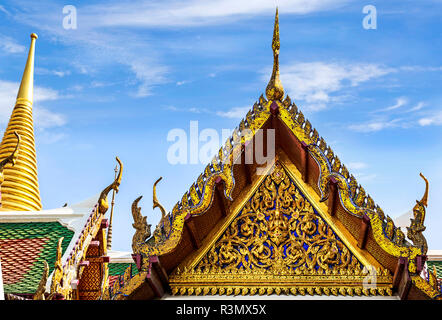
{"x": 438, "y": 265}
{"x": 117, "y": 269}
{"x": 29, "y": 244}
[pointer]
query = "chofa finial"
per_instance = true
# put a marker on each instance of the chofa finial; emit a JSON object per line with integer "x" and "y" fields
{"x": 274, "y": 90}
{"x": 416, "y": 228}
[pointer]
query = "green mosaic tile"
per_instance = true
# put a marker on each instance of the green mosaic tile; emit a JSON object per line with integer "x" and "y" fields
{"x": 31, "y": 230}
{"x": 438, "y": 265}
{"x": 116, "y": 269}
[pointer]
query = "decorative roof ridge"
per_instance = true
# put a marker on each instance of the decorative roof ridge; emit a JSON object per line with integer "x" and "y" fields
{"x": 352, "y": 195}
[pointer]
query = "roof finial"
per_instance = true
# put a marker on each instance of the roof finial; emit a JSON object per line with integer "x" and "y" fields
{"x": 274, "y": 90}
{"x": 25, "y": 93}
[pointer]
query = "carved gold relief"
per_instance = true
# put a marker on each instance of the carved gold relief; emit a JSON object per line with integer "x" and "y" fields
{"x": 277, "y": 240}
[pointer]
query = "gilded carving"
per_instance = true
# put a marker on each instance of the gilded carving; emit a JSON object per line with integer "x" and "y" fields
{"x": 414, "y": 231}
{"x": 57, "y": 274}
{"x": 41, "y": 289}
{"x": 278, "y": 239}
{"x": 142, "y": 228}
{"x": 102, "y": 200}
{"x": 11, "y": 158}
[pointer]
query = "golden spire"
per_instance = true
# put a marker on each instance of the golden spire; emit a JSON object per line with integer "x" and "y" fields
{"x": 274, "y": 90}
{"x": 19, "y": 190}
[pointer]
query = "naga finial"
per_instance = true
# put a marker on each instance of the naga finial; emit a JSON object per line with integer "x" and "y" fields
{"x": 41, "y": 289}
{"x": 156, "y": 203}
{"x": 274, "y": 90}
{"x": 159, "y": 230}
{"x": 102, "y": 200}
{"x": 57, "y": 275}
{"x": 414, "y": 231}
{"x": 11, "y": 158}
{"x": 142, "y": 228}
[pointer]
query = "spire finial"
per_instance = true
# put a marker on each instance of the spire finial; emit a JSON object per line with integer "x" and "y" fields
{"x": 26, "y": 91}
{"x": 274, "y": 90}
{"x": 19, "y": 190}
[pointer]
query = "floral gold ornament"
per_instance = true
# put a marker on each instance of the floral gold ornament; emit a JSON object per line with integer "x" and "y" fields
{"x": 278, "y": 241}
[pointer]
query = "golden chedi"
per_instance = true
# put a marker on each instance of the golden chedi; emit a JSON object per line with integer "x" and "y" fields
{"x": 19, "y": 190}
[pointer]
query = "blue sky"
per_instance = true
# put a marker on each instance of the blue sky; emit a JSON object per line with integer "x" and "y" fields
{"x": 134, "y": 70}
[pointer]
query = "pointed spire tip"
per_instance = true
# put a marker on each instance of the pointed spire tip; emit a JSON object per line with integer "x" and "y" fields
{"x": 274, "y": 90}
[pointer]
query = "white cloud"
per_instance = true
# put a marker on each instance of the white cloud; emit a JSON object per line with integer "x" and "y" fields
{"x": 9, "y": 45}
{"x": 43, "y": 118}
{"x": 315, "y": 82}
{"x": 375, "y": 125}
{"x": 235, "y": 113}
{"x": 362, "y": 177}
{"x": 417, "y": 107}
{"x": 46, "y": 137}
{"x": 148, "y": 75}
{"x": 435, "y": 119}
{"x": 356, "y": 165}
{"x": 194, "y": 12}
{"x": 400, "y": 102}
{"x": 58, "y": 73}
{"x": 96, "y": 37}
{"x": 2, "y": 9}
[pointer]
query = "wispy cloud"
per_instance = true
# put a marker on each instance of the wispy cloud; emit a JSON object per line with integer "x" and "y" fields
{"x": 316, "y": 82}
{"x": 188, "y": 110}
{"x": 435, "y": 120}
{"x": 58, "y": 73}
{"x": 234, "y": 113}
{"x": 43, "y": 117}
{"x": 356, "y": 165}
{"x": 376, "y": 125}
{"x": 2, "y": 9}
{"x": 389, "y": 118}
{"x": 9, "y": 45}
{"x": 195, "y": 12}
{"x": 400, "y": 102}
{"x": 97, "y": 23}
{"x": 417, "y": 107}
{"x": 47, "y": 119}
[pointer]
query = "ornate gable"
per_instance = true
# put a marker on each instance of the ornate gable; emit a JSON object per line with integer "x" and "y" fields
{"x": 278, "y": 242}
{"x": 358, "y": 232}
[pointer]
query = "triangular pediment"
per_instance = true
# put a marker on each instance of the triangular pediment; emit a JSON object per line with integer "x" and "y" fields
{"x": 278, "y": 242}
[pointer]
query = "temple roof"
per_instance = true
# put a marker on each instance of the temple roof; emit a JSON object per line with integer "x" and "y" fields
{"x": 27, "y": 238}
{"x": 24, "y": 247}
{"x": 220, "y": 189}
